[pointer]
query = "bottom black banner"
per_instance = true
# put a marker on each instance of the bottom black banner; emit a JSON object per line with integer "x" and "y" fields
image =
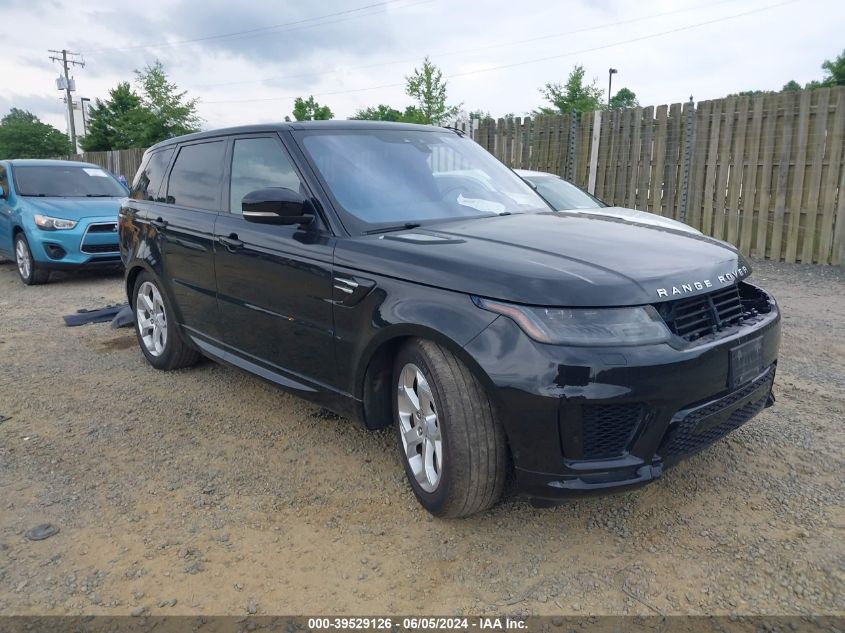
{"x": 399, "y": 624}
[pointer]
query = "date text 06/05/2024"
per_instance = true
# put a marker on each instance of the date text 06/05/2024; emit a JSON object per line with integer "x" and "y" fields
{"x": 419, "y": 623}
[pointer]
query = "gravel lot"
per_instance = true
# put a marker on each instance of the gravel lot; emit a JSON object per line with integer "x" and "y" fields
{"x": 208, "y": 491}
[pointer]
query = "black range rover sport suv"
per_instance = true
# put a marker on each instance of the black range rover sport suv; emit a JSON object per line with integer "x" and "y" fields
{"x": 400, "y": 275}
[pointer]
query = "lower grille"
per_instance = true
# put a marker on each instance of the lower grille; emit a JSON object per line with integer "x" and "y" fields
{"x": 703, "y": 426}
{"x": 100, "y": 248}
{"x": 607, "y": 428}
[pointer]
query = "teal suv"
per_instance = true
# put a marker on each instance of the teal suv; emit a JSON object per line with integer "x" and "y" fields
{"x": 57, "y": 215}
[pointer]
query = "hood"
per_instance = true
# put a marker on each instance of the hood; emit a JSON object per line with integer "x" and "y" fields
{"x": 640, "y": 217}
{"x": 74, "y": 208}
{"x": 551, "y": 259}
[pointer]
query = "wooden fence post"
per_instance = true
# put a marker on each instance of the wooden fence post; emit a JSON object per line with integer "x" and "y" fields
{"x": 689, "y": 139}
{"x": 594, "y": 151}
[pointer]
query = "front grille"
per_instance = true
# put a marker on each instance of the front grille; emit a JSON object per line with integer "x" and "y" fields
{"x": 607, "y": 428}
{"x": 707, "y": 424}
{"x": 696, "y": 317}
{"x": 107, "y": 227}
{"x": 100, "y": 248}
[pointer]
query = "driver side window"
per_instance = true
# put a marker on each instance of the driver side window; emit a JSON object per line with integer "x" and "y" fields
{"x": 258, "y": 163}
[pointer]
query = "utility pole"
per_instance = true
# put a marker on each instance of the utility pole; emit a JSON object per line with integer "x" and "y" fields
{"x": 67, "y": 87}
{"x": 610, "y": 73}
{"x": 82, "y": 101}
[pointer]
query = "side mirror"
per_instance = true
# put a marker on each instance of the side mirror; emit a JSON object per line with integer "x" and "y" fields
{"x": 277, "y": 205}
{"x": 3, "y": 194}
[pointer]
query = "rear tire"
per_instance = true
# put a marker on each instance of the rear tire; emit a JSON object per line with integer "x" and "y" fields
{"x": 451, "y": 441}
{"x": 28, "y": 270}
{"x": 157, "y": 331}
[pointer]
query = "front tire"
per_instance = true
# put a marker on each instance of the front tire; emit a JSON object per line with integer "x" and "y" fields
{"x": 156, "y": 329}
{"x": 451, "y": 441}
{"x": 28, "y": 270}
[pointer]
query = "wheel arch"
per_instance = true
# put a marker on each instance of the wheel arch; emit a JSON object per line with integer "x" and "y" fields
{"x": 133, "y": 269}
{"x": 374, "y": 382}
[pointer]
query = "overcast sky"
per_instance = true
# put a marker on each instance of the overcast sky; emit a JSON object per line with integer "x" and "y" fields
{"x": 246, "y": 61}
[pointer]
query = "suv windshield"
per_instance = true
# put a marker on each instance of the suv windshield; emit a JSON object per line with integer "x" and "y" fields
{"x": 66, "y": 182}
{"x": 390, "y": 177}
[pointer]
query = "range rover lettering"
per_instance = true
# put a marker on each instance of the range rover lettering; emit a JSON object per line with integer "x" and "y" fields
{"x": 399, "y": 275}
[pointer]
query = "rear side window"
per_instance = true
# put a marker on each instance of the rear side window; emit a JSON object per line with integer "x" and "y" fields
{"x": 258, "y": 163}
{"x": 195, "y": 177}
{"x": 150, "y": 176}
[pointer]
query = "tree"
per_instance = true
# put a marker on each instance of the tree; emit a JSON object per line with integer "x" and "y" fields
{"x": 481, "y": 115}
{"x": 624, "y": 99}
{"x": 310, "y": 110}
{"x": 413, "y": 114}
{"x": 24, "y": 135}
{"x": 834, "y": 71}
{"x": 119, "y": 122}
{"x": 173, "y": 114}
{"x": 572, "y": 96}
{"x": 834, "y": 76}
{"x": 156, "y": 111}
{"x": 381, "y": 112}
{"x": 428, "y": 88}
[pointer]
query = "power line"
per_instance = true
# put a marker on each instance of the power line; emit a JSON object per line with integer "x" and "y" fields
{"x": 470, "y": 50}
{"x": 630, "y": 41}
{"x": 528, "y": 61}
{"x": 264, "y": 30}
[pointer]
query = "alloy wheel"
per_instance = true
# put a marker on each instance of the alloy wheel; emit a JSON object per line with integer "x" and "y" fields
{"x": 419, "y": 427}
{"x": 151, "y": 317}
{"x": 23, "y": 258}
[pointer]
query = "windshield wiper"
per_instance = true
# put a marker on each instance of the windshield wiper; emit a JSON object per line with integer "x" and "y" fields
{"x": 398, "y": 227}
{"x": 99, "y": 195}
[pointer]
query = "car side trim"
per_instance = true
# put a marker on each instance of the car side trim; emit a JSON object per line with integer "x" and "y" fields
{"x": 217, "y": 349}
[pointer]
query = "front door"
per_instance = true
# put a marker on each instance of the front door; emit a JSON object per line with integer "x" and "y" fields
{"x": 274, "y": 283}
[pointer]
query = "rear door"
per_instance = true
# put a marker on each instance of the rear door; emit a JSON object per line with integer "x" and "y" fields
{"x": 185, "y": 227}
{"x": 274, "y": 283}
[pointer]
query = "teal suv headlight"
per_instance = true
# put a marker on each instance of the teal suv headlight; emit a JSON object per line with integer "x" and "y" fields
{"x": 640, "y": 325}
{"x": 47, "y": 223}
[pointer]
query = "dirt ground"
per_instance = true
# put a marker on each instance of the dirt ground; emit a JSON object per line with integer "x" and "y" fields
{"x": 206, "y": 491}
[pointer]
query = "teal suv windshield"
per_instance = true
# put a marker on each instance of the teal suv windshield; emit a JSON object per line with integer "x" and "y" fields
{"x": 66, "y": 182}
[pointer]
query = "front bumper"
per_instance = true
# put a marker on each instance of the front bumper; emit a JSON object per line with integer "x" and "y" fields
{"x": 591, "y": 420}
{"x": 92, "y": 243}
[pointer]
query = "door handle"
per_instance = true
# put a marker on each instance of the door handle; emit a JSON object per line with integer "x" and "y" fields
{"x": 232, "y": 243}
{"x": 158, "y": 223}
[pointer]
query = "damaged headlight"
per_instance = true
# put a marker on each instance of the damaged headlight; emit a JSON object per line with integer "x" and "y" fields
{"x": 584, "y": 326}
{"x": 53, "y": 224}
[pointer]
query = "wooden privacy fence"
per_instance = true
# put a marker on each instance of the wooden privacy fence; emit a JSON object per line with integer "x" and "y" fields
{"x": 120, "y": 162}
{"x": 764, "y": 173}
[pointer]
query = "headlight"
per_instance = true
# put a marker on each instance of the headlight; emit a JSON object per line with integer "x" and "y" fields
{"x": 584, "y": 326}
{"x": 53, "y": 224}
